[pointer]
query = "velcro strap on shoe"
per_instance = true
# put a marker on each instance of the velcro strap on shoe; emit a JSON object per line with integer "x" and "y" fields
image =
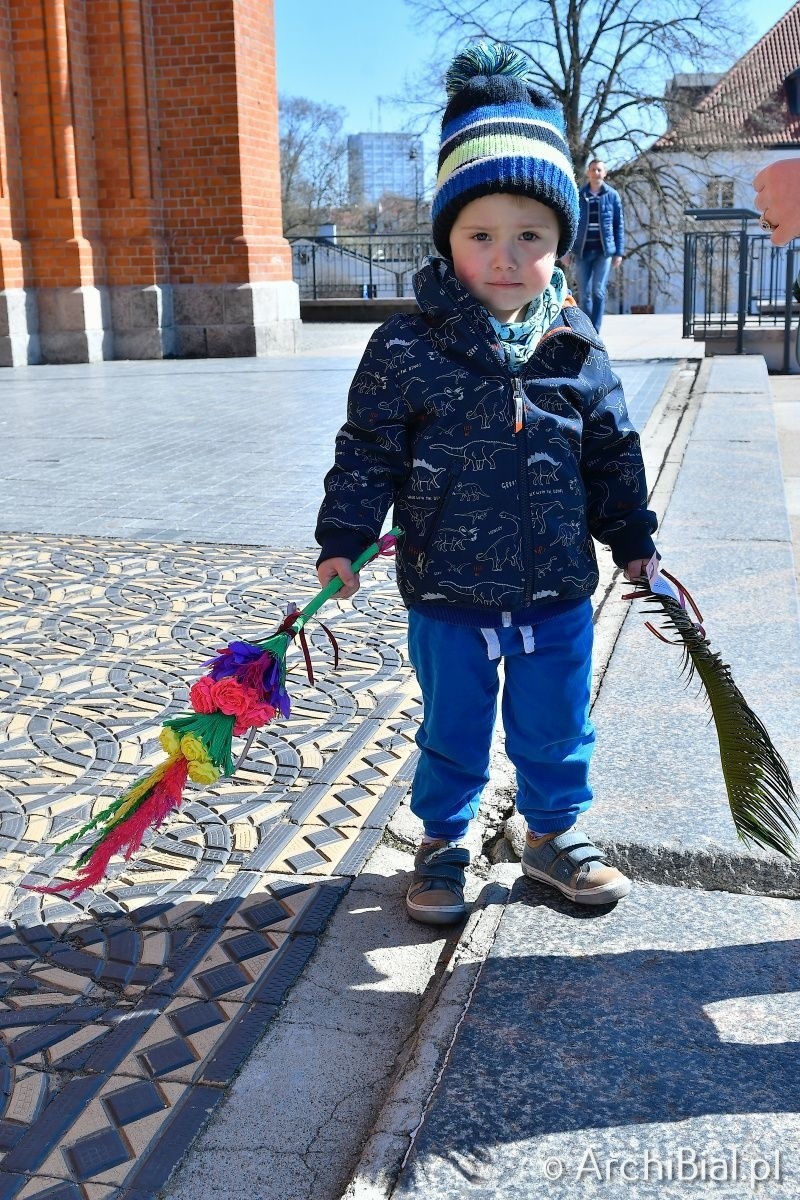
{"x": 581, "y": 854}
{"x": 448, "y": 863}
{"x": 571, "y": 852}
{"x": 572, "y": 842}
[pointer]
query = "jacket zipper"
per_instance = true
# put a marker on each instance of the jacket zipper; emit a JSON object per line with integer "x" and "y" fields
{"x": 522, "y": 466}
{"x": 524, "y": 489}
{"x": 560, "y": 329}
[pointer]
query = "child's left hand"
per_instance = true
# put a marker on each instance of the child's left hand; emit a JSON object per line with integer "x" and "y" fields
{"x": 636, "y": 568}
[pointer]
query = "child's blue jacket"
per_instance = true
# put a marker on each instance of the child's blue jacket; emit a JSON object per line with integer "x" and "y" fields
{"x": 498, "y": 481}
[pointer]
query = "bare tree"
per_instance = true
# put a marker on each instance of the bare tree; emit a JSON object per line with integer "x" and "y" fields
{"x": 313, "y": 162}
{"x": 607, "y": 62}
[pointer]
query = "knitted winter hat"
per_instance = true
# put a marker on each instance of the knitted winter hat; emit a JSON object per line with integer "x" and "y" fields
{"x": 501, "y": 134}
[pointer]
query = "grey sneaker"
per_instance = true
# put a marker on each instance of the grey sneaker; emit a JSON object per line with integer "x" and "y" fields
{"x": 436, "y": 896}
{"x": 571, "y": 862}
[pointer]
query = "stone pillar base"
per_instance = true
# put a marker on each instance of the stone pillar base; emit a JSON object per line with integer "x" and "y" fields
{"x": 19, "y": 328}
{"x": 143, "y": 322}
{"x": 235, "y": 320}
{"x": 75, "y": 324}
{"x": 89, "y": 324}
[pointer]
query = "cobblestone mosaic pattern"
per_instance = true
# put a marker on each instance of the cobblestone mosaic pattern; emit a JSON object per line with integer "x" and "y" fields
{"x": 124, "y": 1014}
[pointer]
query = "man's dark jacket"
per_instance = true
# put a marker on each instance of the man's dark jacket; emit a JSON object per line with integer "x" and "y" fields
{"x": 612, "y": 223}
{"x": 498, "y": 481}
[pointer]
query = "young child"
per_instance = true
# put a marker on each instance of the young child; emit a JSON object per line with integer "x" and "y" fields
{"x": 494, "y": 424}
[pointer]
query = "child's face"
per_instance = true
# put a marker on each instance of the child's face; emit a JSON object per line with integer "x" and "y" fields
{"x": 504, "y": 251}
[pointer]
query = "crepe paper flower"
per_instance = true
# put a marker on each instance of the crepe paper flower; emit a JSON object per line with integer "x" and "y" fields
{"x": 201, "y": 695}
{"x": 244, "y": 690}
{"x": 193, "y": 749}
{"x": 254, "y": 718}
{"x": 761, "y": 795}
{"x": 232, "y": 658}
{"x": 203, "y": 772}
{"x": 231, "y": 698}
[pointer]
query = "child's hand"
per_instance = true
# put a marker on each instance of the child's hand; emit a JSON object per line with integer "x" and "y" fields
{"x": 331, "y": 567}
{"x": 636, "y": 568}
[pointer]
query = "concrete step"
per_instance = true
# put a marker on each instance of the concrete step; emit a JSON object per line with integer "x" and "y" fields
{"x": 661, "y": 801}
{"x": 645, "y": 1051}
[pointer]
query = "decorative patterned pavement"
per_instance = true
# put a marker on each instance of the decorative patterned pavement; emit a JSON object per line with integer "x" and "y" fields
{"x": 124, "y": 1015}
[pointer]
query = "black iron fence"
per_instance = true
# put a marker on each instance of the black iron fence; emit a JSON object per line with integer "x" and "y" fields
{"x": 350, "y": 266}
{"x": 735, "y": 280}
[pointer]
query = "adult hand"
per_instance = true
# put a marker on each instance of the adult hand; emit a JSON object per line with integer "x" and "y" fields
{"x": 616, "y": 260}
{"x": 636, "y": 568}
{"x": 778, "y": 198}
{"x": 331, "y": 567}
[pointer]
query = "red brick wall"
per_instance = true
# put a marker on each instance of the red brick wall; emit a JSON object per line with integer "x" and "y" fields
{"x": 149, "y": 142}
{"x": 126, "y": 141}
{"x": 14, "y": 261}
{"x": 54, "y": 111}
{"x": 270, "y": 257}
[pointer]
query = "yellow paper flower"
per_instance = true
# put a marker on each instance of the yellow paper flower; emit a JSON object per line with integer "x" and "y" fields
{"x": 170, "y": 742}
{"x": 203, "y": 772}
{"x": 193, "y": 748}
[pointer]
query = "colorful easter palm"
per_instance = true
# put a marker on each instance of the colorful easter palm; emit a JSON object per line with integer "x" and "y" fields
{"x": 244, "y": 690}
{"x": 761, "y": 795}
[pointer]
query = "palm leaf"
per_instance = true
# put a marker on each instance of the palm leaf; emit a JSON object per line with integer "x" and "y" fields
{"x": 761, "y": 795}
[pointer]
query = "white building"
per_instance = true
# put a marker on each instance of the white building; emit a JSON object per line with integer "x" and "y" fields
{"x": 723, "y": 130}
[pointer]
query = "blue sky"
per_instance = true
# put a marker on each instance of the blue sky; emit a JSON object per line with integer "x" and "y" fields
{"x": 351, "y": 52}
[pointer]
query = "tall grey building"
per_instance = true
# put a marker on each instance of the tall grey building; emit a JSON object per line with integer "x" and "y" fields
{"x": 383, "y": 163}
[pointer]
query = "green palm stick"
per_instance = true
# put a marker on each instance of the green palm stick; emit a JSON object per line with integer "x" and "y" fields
{"x": 383, "y": 545}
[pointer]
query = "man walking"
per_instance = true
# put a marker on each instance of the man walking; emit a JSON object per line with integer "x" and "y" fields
{"x": 600, "y": 243}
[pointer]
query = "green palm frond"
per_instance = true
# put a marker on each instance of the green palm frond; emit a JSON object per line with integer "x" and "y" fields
{"x": 761, "y": 795}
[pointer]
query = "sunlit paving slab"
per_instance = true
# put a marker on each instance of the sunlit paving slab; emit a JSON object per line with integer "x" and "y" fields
{"x": 651, "y": 1050}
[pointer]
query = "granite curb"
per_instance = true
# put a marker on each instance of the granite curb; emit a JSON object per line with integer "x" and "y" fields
{"x": 648, "y": 1050}
{"x": 726, "y": 533}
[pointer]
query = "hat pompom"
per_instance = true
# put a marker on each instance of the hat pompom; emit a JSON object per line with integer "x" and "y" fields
{"x": 486, "y": 58}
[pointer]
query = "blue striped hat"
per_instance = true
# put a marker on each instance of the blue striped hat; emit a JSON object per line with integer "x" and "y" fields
{"x": 501, "y": 134}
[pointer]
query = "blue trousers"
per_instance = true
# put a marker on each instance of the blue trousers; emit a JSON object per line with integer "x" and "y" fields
{"x": 592, "y": 271}
{"x": 545, "y": 706}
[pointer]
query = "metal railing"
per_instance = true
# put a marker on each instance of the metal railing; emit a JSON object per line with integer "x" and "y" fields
{"x": 366, "y": 266}
{"x": 735, "y": 280}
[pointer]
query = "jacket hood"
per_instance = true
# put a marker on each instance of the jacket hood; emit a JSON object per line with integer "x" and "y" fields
{"x": 447, "y": 305}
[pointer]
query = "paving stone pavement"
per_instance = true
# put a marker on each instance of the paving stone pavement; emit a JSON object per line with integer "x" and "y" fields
{"x": 151, "y": 510}
{"x": 230, "y": 451}
{"x": 126, "y": 1013}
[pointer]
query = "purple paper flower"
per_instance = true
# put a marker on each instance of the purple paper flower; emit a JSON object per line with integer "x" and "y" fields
{"x": 233, "y": 659}
{"x": 274, "y": 691}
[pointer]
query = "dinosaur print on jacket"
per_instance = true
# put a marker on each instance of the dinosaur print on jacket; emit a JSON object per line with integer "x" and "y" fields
{"x": 498, "y": 515}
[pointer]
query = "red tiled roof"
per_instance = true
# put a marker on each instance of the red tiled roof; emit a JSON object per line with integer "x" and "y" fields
{"x": 747, "y": 108}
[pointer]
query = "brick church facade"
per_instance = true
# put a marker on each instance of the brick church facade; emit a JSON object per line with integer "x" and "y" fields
{"x": 139, "y": 182}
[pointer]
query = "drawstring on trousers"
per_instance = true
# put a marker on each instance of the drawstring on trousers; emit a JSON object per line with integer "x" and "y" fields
{"x": 493, "y": 641}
